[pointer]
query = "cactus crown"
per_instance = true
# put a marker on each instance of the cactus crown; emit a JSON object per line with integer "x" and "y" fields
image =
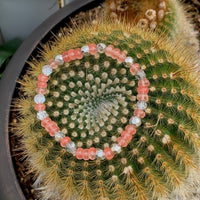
{"x": 92, "y": 101}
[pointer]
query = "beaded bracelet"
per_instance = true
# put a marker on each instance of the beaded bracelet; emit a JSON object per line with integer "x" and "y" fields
{"x": 135, "y": 121}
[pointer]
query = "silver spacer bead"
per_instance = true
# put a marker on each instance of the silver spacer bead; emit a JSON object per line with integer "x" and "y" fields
{"x": 47, "y": 70}
{"x": 129, "y": 61}
{"x": 39, "y": 98}
{"x": 59, "y": 59}
{"x": 85, "y": 50}
{"x": 141, "y": 105}
{"x": 42, "y": 114}
{"x": 71, "y": 147}
{"x": 141, "y": 74}
{"x": 101, "y": 47}
{"x": 135, "y": 121}
{"x": 59, "y": 135}
{"x": 116, "y": 148}
{"x": 100, "y": 154}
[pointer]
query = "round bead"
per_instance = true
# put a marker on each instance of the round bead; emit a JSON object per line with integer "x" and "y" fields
{"x": 142, "y": 97}
{"x": 66, "y": 57}
{"x": 92, "y": 153}
{"x": 78, "y": 53}
{"x": 79, "y": 153}
{"x": 100, "y": 154}
{"x": 45, "y": 121}
{"x": 101, "y": 47}
{"x": 122, "y": 57}
{"x": 51, "y": 127}
{"x": 71, "y": 54}
{"x": 86, "y": 154}
{"x": 126, "y": 135}
{"x": 142, "y": 90}
{"x": 115, "y": 53}
{"x": 141, "y": 74}
{"x": 134, "y": 68}
{"x": 143, "y": 82}
{"x": 42, "y": 114}
{"x": 108, "y": 153}
{"x": 64, "y": 141}
{"x": 108, "y": 50}
{"x": 116, "y": 148}
{"x": 39, "y": 106}
{"x": 139, "y": 113}
{"x": 39, "y": 98}
{"x": 41, "y": 84}
{"x": 43, "y": 78}
{"x": 129, "y": 61}
{"x": 142, "y": 105}
{"x": 53, "y": 64}
{"x": 135, "y": 121}
{"x": 122, "y": 142}
{"x": 130, "y": 129}
{"x": 41, "y": 90}
{"x": 59, "y": 135}
{"x": 85, "y": 50}
{"x": 93, "y": 49}
{"x": 53, "y": 130}
{"x": 71, "y": 147}
{"x": 59, "y": 59}
{"x": 47, "y": 70}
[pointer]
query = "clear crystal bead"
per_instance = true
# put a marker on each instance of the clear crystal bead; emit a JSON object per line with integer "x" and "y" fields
{"x": 59, "y": 135}
{"x": 100, "y": 154}
{"x": 141, "y": 74}
{"x": 101, "y": 47}
{"x": 141, "y": 105}
{"x": 71, "y": 147}
{"x": 85, "y": 50}
{"x": 135, "y": 121}
{"x": 129, "y": 61}
{"x": 59, "y": 59}
{"x": 42, "y": 114}
{"x": 47, "y": 70}
{"x": 116, "y": 148}
{"x": 39, "y": 98}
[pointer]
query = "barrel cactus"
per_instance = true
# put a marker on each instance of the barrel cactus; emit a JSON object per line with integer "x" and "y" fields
{"x": 111, "y": 112}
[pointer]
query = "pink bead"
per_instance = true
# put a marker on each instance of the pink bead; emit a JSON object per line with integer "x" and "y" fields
{"x": 64, "y": 141}
{"x": 92, "y": 153}
{"x": 122, "y": 142}
{"x": 52, "y": 128}
{"x": 86, "y": 154}
{"x": 53, "y": 64}
{"x": 139, "y": 113}
{"x": 115, "y": 53}
{"x": 109, "y": 50}
{"x": 79, "y": 153}
{"x": 66, "y": 57}
{"x": 45, "y": 121}
{"x": 41, "y": 90}
{"x": 71, "y": 54}
{"x": 43, "y": 78}
{"x": 108, "y": 153}
{"x": 142, "y": 90}
{"x": 143, "y": 82}
{"x": 122, "y": 57}
{"x": 41, "y": 84}
{"x": 39, "y": 106}
{"x": 93, "y": 49}
{"x": 131, "y": 129}
{"x": 134, "y": 68}
{"x": 142, "y": 97}
{"x": 126, "y": 135}
{"x": 78, "y": 53}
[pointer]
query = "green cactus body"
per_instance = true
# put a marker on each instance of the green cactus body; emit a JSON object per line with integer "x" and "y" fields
{"x": 92, "y": 101}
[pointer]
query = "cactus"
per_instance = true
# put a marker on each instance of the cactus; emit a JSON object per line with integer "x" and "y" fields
{"x": 161, "y": 161}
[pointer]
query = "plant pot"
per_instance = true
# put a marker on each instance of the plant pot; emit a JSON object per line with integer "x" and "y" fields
{"x": 9, "y": 185}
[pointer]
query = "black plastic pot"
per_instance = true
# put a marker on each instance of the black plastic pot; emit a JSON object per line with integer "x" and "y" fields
{"x": 9, "y": 186}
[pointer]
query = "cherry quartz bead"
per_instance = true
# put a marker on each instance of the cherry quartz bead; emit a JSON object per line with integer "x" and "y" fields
{"x": 66, "y": 57}
{"x": 51, "y": 127}
{"x": 53, "y": 130}
{"x": 131, "y": 129}
{"x": 92, "y": 153}
{"x": 126, "y": 135}
{"x": 134, "y": 68}
{"x": 85, "y": 154}
{"x": 122, "y": 142}
{"x": 115, "y": 53}
{"x": 54, "y": 64}
{"x": 78, "y": 53}
{"x": 143, "y": 82}
{"x": 79, "y": 153}
{"x": 71, "y": 54}
{"x": 109, "y": 50}
{"x": 45, "y": 121}
{"x": 108, "y": 153}
{"x": 93, "y": 49}
{"x": 142, "y": 90}
{"x": 122, "y": 57}
{"x": 43, "y": 78}
{"x": 139, "y": 113}
{"x": 41, "y": 90}
{"x": 41, "y": 84}
{"x": 64, "y": 141}
{"x": 142, "y": 97}
{"x": 39, "y": 106}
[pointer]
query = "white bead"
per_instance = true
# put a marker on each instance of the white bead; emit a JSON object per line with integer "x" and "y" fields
{"x": 59, "y": 59}
{"x": 47, "y": 70}
{"x": 101, "y": 47}
{"x": 85, "y": 50}
{"x": 141, "y": 105}
{"x": 71, "y": 147}
{"x": 59, "y": 135}
{"x": 100, "y": 154}
{"x": 129, "y": 61}
{"x": 39, "y": 98}
{"x": 141, "y": 73}
{"x": 116, "y": 148}
{"x": 135, "y": 121}
{"x": 42, "y": 114}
